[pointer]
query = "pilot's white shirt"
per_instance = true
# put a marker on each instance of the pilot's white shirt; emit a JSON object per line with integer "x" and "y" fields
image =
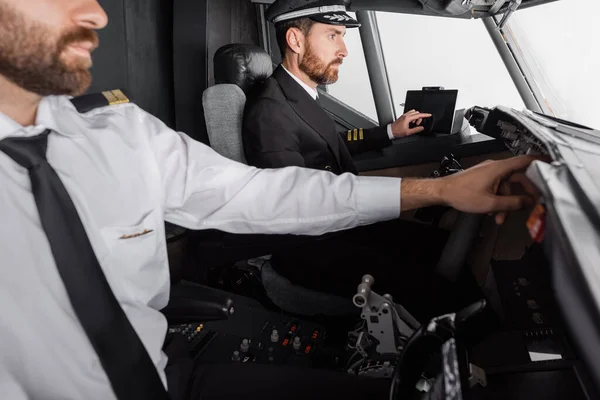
{"x": 127, "y": 172}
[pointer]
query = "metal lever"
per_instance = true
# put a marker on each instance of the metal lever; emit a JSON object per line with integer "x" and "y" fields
{"x": 382, "y": 317}
{"x": 512, "y": 7}
{"x": 497, "y": 6}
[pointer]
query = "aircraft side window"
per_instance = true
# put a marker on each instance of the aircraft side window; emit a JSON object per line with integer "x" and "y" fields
{"x": 559, "y": 45}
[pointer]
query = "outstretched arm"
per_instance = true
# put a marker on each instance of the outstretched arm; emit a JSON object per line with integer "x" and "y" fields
{"x": 204, "y": 190}
{"x": 484, "y": 188}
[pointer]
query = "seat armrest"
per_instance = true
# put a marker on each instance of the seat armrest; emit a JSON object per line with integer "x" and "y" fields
{"x": 191, "y": 302}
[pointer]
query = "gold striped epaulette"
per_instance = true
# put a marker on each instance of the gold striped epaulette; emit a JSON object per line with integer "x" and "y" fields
{"x": 356, "y": 134}
{"x": 88, "y": 102}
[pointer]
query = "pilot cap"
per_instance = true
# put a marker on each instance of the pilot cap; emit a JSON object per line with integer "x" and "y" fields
{"x": 331, "y": 12}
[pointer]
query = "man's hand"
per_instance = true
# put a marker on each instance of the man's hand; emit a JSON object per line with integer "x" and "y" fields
{"x": 484, "y": 188}
{"x": 400, "y": 127}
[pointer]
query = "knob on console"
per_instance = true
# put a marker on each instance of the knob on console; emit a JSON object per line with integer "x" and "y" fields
{"x": 297, "y": 343}
{"x": 275, "y": 336}
{"x": 364, "y": 291}
{"x": 245, "y": 346}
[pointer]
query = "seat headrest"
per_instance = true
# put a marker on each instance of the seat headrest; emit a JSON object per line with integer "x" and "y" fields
{"x": 243, "y": 65}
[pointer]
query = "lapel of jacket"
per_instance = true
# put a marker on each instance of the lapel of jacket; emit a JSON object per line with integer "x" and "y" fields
{"x": 309, "y": 110}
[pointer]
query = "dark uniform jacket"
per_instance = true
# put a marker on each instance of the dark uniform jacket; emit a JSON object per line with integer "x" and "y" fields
{"x": 284, "y": 126}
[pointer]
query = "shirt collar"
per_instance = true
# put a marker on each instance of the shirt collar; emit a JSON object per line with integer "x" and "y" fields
{"x": 8, "y": 126}
{"x": 48, "y": 109}
{"x": 312, "y": 92}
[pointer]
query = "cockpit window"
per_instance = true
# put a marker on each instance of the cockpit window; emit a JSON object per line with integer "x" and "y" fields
{"x": 454, "y": 53}
{"x": 559, "y": 44}
{"x": 554, "y": 45}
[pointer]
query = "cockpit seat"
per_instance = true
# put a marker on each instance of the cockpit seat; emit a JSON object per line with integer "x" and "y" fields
{"x": 238, "y": 67}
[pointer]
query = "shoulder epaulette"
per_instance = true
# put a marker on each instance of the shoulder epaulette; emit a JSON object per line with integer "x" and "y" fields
{"x": 88, "y": 102}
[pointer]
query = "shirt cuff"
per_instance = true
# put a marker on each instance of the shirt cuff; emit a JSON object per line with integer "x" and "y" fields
{"x": 390, "y": 133}
{"x": 377, "y": 199}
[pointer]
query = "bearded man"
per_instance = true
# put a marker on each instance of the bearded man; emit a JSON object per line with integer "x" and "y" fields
{"x": 284, "y": 125}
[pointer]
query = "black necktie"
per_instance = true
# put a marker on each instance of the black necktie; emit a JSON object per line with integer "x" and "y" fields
{"x": 122, "y": 354}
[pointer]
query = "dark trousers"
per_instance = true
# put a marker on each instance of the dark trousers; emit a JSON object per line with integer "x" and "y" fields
{"x": 400, "y": 255}
{"x": 189, "y": 380}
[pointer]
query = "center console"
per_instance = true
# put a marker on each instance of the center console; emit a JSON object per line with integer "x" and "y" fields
{"x": 253, "y": 334}
{"x": 530, "y": 357}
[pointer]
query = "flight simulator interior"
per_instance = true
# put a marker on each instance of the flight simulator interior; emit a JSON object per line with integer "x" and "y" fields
{"x": 538, "y": 269}
{"x": 532, "y": 355}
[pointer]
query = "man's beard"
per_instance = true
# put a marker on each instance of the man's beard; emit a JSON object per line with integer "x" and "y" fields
{"x": 318, "y": 71}
{"x": 30, "y": 56}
